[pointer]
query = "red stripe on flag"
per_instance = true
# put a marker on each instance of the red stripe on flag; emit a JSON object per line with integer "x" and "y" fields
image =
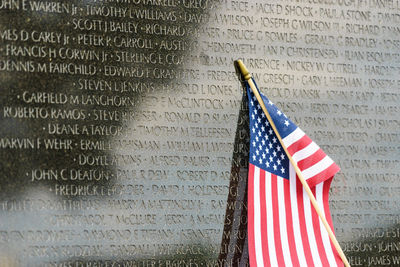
{"x": 317, "y": 233}
{"x": 250, "y": 215}
{"x": 263, "y": 208}
{"x": 275, "y": 216}
{"x": 302, "y": 221}
{"x": 325, "y": 195}
{"x": 323, "y": 175}
{"x": 299, "y": 144}
{"x": 311, "y": 160}
{"x": 289, "y": 224}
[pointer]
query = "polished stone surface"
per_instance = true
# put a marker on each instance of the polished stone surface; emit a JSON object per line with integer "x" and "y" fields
{"x": 123, "y": 125}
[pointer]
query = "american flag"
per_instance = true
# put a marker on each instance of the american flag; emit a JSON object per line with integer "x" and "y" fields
{"x": 283, "y": 227}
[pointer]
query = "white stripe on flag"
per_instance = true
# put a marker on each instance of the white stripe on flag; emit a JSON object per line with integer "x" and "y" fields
{"x": 317, "y": 167}
{"x": 282, "y": 221}
{"x": 310, "y": 229}
{"x": 305, "y": 152}
{"x": 293, "y": 137}
{"x": 257, "y": 218}
{"x": 270, "y": 220}
{"x": 295, "y": 217}
{"x": 319, "y": 188}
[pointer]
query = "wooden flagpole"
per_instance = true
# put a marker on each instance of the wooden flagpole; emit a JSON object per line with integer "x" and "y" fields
{"x": 247, "y": 76}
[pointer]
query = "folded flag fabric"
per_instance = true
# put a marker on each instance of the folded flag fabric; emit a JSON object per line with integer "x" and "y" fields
{"x": 283, "y": 227}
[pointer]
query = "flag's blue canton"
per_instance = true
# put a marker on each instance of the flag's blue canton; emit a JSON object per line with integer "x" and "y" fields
{"x": 265, "y": 149}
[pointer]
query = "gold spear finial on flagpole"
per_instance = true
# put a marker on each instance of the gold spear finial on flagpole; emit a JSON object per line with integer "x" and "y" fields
{"x": 247, "y": 76}
{"x": 245, "y": 72}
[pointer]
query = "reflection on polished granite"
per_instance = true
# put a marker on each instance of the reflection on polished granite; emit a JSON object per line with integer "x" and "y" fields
{"x": 123, "y": 125}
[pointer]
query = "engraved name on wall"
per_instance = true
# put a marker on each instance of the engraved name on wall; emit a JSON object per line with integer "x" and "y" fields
{"x": 118, "y": 121}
